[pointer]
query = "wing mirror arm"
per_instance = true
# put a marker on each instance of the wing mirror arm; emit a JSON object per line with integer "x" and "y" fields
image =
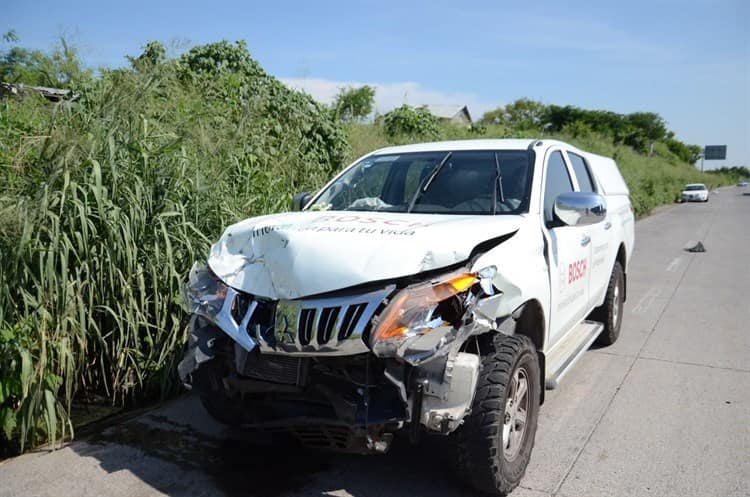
{"x": 300, "y": 200}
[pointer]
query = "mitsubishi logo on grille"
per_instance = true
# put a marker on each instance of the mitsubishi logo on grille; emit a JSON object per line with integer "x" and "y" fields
{"x": 284, "y": 335}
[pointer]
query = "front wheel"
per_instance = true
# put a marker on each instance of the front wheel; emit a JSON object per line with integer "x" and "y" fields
{"x": 495, "y": 442}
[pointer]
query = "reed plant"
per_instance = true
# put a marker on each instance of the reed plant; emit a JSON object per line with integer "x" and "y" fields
{"x": 106, "y": 203}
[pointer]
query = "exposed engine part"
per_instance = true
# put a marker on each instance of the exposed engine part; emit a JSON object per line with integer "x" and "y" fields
{"x": 444, "y": 405}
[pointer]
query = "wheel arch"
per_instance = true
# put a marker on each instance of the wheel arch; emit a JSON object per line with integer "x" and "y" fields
{"x": 529, "y": 321}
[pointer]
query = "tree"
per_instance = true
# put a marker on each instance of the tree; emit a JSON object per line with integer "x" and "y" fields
{"x": 10, "y": 36}
{"x": 59, "y": 68}
{"x": 153, "y": 53}
{"x": 221, "y": 57}
{"x": 413, "y": 122}
{"x": 651, "y": 125}
{"x": 523, "y": 114}
{"x": 354, "y": 104}
{"x": 557, "y": 118}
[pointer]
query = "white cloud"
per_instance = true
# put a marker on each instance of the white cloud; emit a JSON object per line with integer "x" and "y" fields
{"x": 388, "y": 96}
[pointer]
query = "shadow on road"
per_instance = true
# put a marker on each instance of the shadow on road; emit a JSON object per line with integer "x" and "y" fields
{"x": 234, "y": 464}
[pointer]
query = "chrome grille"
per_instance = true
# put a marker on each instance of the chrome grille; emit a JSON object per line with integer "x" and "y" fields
{"x": 326, "y": 323}
{"x": 325, "y": 326}
{"x": 351, "y": 318}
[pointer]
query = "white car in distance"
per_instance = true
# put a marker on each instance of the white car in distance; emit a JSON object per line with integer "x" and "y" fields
{"x": 695, "y": 192}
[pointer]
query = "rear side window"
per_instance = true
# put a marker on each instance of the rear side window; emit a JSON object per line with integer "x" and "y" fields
{"x": 582, "y": 172}
{"x": 557, "y": 182}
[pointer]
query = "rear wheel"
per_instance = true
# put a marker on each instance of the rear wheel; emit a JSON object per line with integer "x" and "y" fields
{"x": 610, "y": 313}
{"x": 495, "y": 442}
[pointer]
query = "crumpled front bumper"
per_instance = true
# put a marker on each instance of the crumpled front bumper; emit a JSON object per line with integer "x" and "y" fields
{"x": 436, "y": 394}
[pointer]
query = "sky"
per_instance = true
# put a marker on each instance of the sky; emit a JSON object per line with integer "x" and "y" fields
{"x": 687, "y": 60}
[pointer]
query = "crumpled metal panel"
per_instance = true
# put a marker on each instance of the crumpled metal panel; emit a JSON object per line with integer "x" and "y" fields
{"x": 294, "y": 255}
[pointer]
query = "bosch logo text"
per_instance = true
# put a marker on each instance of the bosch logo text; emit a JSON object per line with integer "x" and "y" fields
{"x": 576, "y": 270}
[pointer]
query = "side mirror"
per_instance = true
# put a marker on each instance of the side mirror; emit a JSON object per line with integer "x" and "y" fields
{"x": 300, "y": 200}
{"x": 580, "y": 208}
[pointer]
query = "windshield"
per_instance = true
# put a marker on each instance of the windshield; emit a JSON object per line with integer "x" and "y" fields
{"x": 460, "y": 182}
{"x": 692, "y": 188}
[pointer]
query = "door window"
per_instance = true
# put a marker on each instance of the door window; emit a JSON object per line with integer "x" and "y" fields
{"x": 557, "y": 182}
{"x": 582, "y": 172}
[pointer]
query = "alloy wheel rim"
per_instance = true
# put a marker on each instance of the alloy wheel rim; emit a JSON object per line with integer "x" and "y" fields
{"x": 616, "y": 306}
{"x": 516, "y": 412}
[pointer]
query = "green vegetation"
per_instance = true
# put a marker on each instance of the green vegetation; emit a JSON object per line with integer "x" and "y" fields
{"x": 354, "y": 104}
{"x": 108, "y": 200}
{"x": 106, "y": 203}
{"x": 739, "y": 172}
{"x": 408, "y": 124}
{"x": 638, "y": 130}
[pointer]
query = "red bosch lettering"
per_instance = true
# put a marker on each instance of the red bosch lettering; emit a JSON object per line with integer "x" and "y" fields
{"x": 576, "y": 270}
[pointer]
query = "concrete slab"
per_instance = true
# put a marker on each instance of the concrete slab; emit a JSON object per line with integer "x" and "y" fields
{"x": 715, "y": 334}
{"x": 673, "y": 429}
{"x": 569, "y": 414}
{"x": 708, "y": 321}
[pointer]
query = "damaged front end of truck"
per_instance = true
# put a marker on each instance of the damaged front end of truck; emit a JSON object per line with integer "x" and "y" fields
{"x": 343, "y": 370}
{"x": 365, "y": 313}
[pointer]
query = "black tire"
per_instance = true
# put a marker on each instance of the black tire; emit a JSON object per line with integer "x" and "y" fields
{"x": 481, "y": 446}
{"x": 610, "y": 313}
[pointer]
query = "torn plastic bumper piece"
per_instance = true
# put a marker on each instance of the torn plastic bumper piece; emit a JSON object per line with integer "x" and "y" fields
{"x": 200, "y": 349}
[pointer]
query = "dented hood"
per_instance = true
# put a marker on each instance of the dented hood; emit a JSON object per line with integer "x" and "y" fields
{"x": 292, "y": 255}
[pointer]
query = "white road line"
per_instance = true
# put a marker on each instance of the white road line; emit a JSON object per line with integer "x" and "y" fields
{"x": 673, "y": 265}
{"x": 646, "y": 300}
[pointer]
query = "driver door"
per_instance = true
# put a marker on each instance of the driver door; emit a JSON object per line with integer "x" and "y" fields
{"x": 569, "y": 253}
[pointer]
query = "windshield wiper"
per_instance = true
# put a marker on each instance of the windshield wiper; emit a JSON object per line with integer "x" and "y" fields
{"x": 498, "y": 186}
{"x": 425, "y": 184}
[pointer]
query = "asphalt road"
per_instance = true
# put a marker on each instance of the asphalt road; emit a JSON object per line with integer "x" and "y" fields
{"x": 663, "y": 412}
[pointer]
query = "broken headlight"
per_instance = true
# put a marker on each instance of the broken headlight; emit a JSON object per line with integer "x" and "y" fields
{"x": 419, "y": 310}
{"x": 204, "y": 292}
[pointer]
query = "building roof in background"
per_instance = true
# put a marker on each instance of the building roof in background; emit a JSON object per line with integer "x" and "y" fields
{"x": 445, "y": 111}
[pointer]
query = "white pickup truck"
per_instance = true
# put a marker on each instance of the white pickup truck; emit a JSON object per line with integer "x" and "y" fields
{"x": 429, "y": 288}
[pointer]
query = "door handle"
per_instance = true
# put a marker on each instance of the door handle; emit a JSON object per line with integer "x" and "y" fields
{"x": 585, "y": 240}
{"x": 607, "y": 225}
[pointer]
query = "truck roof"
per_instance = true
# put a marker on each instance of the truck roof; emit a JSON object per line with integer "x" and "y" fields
{"x": 477, "y": 144}
{"x": 485, "y": 144}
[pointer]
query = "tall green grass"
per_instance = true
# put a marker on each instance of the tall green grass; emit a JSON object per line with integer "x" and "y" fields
{"x": 105, "y": 205}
